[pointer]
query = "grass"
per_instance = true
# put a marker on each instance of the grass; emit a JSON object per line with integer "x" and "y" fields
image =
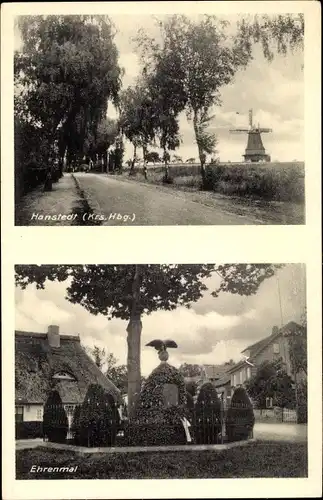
{"x": 268, "y": 181}
{"x": 262, "y": 459}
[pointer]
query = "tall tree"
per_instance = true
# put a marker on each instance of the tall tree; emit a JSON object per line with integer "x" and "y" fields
{"x": 136, "y": 118}
{"x": 67, "y": 70}
{"x": 189, "y": 370}
{"x": 129, "y": 292}
{"x": 196, "y": 59}
{"x": 201, "y": 61}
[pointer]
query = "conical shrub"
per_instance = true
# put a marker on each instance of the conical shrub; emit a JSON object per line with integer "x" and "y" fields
{"x": 240, "y": 417}
{"x": 99, "y": 419}
{"x": 55, "y": 422}
{"x": 155, "y": 422}
{"x": 207, "y": 424}
{"x": 75, "y": 427}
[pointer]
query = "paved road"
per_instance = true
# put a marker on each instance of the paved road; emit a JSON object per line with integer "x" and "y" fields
{"x": 115, "y": 201}
{"x": 280, "y": 432}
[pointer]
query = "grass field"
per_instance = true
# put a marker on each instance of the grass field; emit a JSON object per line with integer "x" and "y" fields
{"x": 260, "y": 459}
{"x": 265, "y": 181}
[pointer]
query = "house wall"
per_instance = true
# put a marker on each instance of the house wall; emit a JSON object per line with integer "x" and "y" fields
{"x": 268, "y": 353}
{"x": 33, "y": 413}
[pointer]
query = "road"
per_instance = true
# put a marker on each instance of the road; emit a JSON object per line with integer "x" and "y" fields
{"x": 280, "y": 432}
{"x": 124, "y": 202}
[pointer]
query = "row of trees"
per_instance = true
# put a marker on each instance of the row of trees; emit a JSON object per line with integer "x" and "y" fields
{"x": 67, "y": 71}
{"x": 184, "y": 69}
{"x": 65, "y": 74}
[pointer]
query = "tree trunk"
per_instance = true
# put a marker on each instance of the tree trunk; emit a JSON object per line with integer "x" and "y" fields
{"x": 132, "y": 167}
{"x": 133, "y": 339}
{"x": 166, "y": 165}
{"x": 201, "y": 153}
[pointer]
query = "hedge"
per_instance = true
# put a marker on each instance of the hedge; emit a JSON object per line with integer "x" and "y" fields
{"x": 29, "y": 430}
{"x": 240, "y": 417}
{"x": 155, "y": 423}
{"x": 55, "y": 422}
{"x": 207, "y": 422}
{"x": 98, "y": 421}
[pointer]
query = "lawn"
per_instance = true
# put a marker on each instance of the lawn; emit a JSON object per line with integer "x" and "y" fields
{"x": 261, "y": 459}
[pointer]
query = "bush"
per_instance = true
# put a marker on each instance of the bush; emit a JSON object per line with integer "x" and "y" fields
{"x": 155, "y": 423}
{"x": 29, "y": 430}
{"x": 207, "y": 423}
{"x": 98, "y": 420}
{"x": 240, "y": 417}
{"x": 167, "y": 179}
{"x": 55, "y": 423}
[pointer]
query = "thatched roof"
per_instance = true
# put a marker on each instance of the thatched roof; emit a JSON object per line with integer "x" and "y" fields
{"x": 37, "y": 363}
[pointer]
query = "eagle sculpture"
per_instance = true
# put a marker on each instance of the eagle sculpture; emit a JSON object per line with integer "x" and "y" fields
{"x": 161, "y": 346}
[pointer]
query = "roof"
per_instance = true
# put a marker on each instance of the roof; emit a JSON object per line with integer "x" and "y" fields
{"x": 224, "y": 380}
{"x": 36, "y": 362}
{"x": 258, "y": 347}
{"x": 216, "y": 371}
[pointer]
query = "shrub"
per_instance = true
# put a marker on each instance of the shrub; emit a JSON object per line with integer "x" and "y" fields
{"x": 240, "y": 417}
{"x": 99, "y": 419}
{"x": 167, "y": 179}
{"x": 75, "y": 427}
{"x": 155, "y": 423}
{"x": 55, "y": 423}
{"x": 207, "y": 424}
{"x": 29, "y": 430}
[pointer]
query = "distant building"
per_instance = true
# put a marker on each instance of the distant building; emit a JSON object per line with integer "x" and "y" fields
{"x": 269, "y": 349}
{"x": 50, "y": 361}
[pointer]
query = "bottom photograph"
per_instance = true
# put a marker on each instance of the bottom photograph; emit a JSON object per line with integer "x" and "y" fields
{"x": 160, "y": 371}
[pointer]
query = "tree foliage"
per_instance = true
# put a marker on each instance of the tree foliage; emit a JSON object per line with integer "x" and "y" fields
{"x": 66, "y": 72}
{"x": 271, "y": 381}
{"x": 190, "y": 370}
{"x": 280, "y": 34}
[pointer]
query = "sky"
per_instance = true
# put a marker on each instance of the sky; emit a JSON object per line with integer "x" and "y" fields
{"x": 275, "y": 92}
{"x": 213, "y": 331}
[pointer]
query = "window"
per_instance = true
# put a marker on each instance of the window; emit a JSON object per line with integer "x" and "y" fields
{"x": 234, "y": 380}
{"x": 248, "y": 373}
{"x": 39, "y": 414}
{"x": 276, "y": 348}
{"x": 63, "y": 376}
{"x": 69, "y": 409}
{"x": 19, "y": 413}
{"x": 269, "y": 402}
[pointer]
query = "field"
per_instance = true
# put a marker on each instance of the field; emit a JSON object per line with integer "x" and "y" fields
{"x": 265, "y": 181}
{"x": 263, "y": 459}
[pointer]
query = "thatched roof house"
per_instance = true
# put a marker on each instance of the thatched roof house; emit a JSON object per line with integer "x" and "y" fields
{"x": 45, "y": 361}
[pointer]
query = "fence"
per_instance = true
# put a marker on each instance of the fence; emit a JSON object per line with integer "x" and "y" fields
{"x": 276, "y": 415}
{"x": 188, "y": 426}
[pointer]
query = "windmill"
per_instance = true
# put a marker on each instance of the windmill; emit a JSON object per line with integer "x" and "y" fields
{"x": 255, "y": 151}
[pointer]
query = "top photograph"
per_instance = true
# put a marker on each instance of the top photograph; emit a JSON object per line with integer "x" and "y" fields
{"x": 159, "y": 120}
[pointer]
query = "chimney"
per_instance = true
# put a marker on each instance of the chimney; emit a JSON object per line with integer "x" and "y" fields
{"x": 275, "y": 330}
{"x": 53, "y": 336}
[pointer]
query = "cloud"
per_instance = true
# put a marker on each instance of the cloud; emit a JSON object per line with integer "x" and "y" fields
{"x": 214, "y": 330}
